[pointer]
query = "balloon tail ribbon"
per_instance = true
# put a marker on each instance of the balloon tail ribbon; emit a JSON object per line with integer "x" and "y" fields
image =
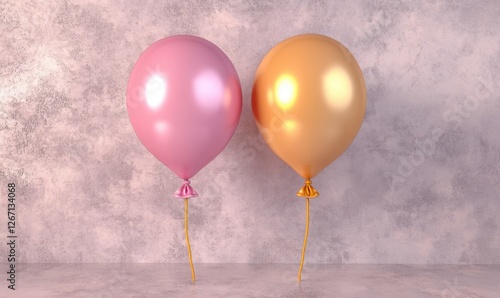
{"x": 305, "y": 240}
{"x": 187, "y": 238}
{"x": 308, "y": 192}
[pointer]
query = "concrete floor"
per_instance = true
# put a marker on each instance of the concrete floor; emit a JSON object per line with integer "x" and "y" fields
{"x": 253, "y": 280}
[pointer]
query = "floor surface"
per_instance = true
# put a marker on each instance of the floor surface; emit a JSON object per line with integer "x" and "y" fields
{"x": 252, "y": 280}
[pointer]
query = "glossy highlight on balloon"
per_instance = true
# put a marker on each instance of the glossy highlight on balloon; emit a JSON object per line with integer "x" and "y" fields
{"x": 309, "y": 100}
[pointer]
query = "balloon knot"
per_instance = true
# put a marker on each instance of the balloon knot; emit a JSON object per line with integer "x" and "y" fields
{"x": 185, "y": 191}
{"x": 308, "y": 190}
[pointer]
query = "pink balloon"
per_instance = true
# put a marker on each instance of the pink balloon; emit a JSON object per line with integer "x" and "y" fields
{"x": 184, "y": 102}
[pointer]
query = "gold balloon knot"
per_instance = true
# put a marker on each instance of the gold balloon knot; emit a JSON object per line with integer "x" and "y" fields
{"x": 308, "y": 190}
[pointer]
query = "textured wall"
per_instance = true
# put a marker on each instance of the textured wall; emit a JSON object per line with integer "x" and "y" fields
{"x": 419, "y": 184}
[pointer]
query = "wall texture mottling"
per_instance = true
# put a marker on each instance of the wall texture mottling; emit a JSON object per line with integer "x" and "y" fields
{"x": 420, "y": 184}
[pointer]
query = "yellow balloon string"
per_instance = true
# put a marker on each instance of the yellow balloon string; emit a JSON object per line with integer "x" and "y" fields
{"x": 187, "y": 238}
{"x": 305, "y": 240}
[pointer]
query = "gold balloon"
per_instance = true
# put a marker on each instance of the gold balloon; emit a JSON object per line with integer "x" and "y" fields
{"x": 309, "y": 99}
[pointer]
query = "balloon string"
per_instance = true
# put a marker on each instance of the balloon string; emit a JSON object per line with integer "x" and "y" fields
{"x": 305, "y": 240}
{"x": 187, "y": 238}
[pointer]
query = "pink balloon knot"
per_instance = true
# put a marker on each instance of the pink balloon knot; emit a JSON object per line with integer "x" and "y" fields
{"x": 185, "y": 191}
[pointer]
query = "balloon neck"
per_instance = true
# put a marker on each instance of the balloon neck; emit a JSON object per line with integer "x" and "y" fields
{"x": 308, "y": 190}
{"x": 185, "y": 191}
